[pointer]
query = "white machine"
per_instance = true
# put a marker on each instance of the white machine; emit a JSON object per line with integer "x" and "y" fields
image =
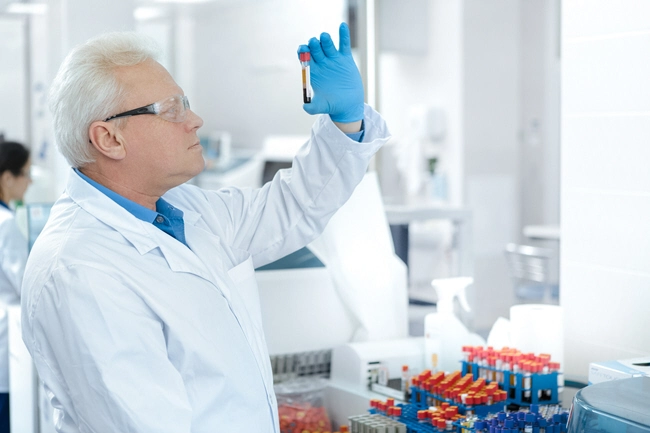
{"x": 359, "y": 293}
{"x": 354, "y": 366}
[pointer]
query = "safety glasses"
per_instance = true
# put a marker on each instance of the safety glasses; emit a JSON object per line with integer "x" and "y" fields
{"x": 172, "y": 109}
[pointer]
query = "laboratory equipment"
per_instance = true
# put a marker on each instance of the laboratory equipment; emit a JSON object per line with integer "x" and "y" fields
{"x": 217, "y": 147}
{"x": 375, "y": 423}
{"x": 446, "y": 418}
{"x": 402, "y": 215}
{"x": 242, "y": 169}
{"x": 618, "y": 406}
{"x": 489, "y": 378}
{"x": 604, "y": 371}
{"x": 486, "y": 395}
{"x": 306, "y": 80}
{"x": 358, "y": 365}
{"x": 357, "y": 293}
{"x": 525, "y": 377}
{"x": 457, "y": 389}
{"x": 530, "y": 272}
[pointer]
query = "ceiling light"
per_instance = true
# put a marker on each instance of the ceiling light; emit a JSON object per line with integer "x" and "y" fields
{"x": 27, "y": 8}
{"x": 182, "y": 1}
{"x": 144, "y": 13}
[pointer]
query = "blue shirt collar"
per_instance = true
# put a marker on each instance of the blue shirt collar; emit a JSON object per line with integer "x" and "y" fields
{"x": 134, "y": 208}
{"x": 166, "y": 217}
{"x": 3, "y": 204}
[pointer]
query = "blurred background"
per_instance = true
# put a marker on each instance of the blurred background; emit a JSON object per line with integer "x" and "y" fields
{"x": 470, "y": 91}
{"x": 480, "y": 167}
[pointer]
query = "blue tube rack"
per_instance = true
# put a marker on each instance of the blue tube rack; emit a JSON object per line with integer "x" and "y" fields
{"x": 409, "y": 418}
{"x": 539, "y": 384}
{"x": 419, "y": 398}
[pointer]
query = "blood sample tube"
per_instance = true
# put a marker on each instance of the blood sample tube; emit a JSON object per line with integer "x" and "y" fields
{"x": 305, "y": 57}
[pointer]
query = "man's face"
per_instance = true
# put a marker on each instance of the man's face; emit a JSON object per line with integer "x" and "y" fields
{"x": 166, "y": 154}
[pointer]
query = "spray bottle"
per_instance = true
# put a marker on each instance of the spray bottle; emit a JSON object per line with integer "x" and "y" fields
{"x": 444, "y": 333}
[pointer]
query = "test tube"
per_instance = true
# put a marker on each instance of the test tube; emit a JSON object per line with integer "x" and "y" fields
{"x": 306, "y": 84}
{"x": 405, "y": 378}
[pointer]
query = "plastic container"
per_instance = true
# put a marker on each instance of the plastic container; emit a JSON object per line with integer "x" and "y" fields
{"x": 444, "y": 333}
{"x": 619, "y": 406}
{"x": 301, "y": 405}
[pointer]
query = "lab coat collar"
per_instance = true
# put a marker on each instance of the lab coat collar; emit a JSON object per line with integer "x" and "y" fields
{"x": 144, "y": 236}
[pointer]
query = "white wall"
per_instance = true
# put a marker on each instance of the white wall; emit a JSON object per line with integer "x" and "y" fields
{"x": 539, "y": 168}
{"x": 66, "y": 24}
{"x": 13, "y": 78}
{"x": 431, "y": 76}
{"x": 605, "y": 279}
{"x": 491, "y": 113}
{"x": 43, "y": 152}
{"x": 491, "y": 81}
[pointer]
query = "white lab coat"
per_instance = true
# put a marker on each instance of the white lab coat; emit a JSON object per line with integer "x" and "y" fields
{"x": 13, "y": 255}
{"x": 132, "y": 331}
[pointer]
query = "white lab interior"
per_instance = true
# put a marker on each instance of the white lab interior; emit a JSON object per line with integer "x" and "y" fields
{"x": 515, "y": 124}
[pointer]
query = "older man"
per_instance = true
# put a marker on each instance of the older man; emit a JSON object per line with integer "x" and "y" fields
{"x": 140, "y": 305}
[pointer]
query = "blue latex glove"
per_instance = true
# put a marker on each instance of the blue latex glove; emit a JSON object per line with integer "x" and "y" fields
{"x": 335, "y": 79}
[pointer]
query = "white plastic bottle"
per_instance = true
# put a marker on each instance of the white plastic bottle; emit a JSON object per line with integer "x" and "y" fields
{"x": 444, "y": 333}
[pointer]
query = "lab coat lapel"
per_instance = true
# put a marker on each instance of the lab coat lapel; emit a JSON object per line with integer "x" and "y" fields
{"x": 179, "y": 257}
{"x": 144, "y": 236}
{"x": 207, "y": 249}
{"x": 246, "y": 311}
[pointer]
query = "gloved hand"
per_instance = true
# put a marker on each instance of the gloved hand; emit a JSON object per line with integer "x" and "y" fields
{"x": 338, "y": 89}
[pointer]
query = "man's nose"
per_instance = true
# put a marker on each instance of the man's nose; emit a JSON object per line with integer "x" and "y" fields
{"x": 194, "y": 120}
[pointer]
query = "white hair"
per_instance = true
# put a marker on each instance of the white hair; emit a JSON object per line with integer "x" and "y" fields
{"x": 86, "y": 90}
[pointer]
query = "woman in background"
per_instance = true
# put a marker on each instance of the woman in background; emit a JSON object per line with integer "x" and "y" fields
{"x": 14, "y": 180}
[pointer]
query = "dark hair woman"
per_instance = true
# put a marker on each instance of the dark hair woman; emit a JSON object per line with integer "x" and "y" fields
{"x": 14, "y": 180}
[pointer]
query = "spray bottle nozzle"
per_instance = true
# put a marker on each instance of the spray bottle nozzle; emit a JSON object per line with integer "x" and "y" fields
{"x": 448, "y": 288}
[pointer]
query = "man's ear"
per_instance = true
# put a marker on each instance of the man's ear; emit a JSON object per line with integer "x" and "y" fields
{"x": 107, "y": 140}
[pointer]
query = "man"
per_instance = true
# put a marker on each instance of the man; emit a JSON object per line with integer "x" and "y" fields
{"x": 140, "y": 306}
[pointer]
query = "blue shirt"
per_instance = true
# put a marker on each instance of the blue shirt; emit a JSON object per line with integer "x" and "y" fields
{"x": 357, "y": 136}
{"x": 166, "y": 217}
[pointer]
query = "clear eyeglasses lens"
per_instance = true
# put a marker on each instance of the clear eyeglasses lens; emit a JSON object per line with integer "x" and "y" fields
{"x": 173, "y": 109}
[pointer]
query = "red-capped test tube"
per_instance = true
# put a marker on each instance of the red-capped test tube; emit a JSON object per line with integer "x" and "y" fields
{"x": 306, "y": 83}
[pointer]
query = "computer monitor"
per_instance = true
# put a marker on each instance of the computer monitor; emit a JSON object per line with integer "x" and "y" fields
{"x": 272, "y": 167}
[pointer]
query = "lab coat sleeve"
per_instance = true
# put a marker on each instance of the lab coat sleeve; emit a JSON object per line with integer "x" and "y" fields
{"x": 13, "y": 254}
{"x": 293, "y": 209}
{"x": 108, "y": 349}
